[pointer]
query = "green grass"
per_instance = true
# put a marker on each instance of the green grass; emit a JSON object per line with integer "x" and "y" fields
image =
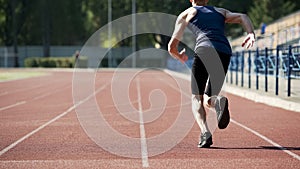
{"x": 6, "y": 76}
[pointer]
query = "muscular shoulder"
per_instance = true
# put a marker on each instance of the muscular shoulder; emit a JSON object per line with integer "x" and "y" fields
{"x": 188, "y": 14}
{"x": 221, "y": 11}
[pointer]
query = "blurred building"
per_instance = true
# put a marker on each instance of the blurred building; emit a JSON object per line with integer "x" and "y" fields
{"x": 282, "y": 32}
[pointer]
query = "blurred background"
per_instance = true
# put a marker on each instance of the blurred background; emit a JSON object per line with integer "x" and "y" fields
{"x": 53, "y": 31}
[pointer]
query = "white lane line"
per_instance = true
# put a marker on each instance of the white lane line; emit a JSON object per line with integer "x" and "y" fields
{"x": 176, "y": 88}
{"x": 144, "y": 150}
{"x": 50, "y": 93}
{"x": 12, "y": 105}
{"x": 3, "y": 93}
{"x": 247, "y": 128}
{"x": 35, "y": 98}
{"x": 267, "y": 139}
{"x": 36, "y": 130}
{"x": 30, "y": 88}
{"x": 51, "y": 121}
{"x": 20, "y": 90}
{"x": 57, "y": 161}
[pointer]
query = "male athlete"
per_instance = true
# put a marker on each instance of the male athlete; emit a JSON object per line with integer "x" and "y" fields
{"x": 211, "y": 60}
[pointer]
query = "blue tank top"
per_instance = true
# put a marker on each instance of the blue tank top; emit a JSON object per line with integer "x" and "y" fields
{"x": 208, "y": 25}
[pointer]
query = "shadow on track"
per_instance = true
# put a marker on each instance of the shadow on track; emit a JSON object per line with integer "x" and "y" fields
{"x": 256, "y": 148}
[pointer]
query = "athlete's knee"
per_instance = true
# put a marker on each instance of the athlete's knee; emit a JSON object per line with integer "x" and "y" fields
{"x": 197, "y": 102}
{"x": 209, "y": 101}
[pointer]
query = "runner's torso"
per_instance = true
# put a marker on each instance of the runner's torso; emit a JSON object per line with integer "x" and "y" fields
{"x": 208, "y": 25}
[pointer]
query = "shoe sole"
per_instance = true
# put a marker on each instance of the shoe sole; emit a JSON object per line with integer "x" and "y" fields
{"x": 207, "y": 145}
{"x": 204, "y": 146}
{"x": 225, "y": 116}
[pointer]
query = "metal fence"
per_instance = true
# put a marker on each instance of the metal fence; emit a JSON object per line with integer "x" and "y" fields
{"x": 263, "y": 65}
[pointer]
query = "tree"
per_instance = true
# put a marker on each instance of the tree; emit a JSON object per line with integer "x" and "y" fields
{"x": 71, "y": 22}
{"x": 169, "y": 7}
{"x": 68, "y": 22}
{"x": 13, "y": 13}
{"x": 266, "y": 11}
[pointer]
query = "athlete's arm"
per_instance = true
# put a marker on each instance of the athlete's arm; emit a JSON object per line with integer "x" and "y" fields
{"x": 181, "y": 23}
{"x": 243, "y": 19}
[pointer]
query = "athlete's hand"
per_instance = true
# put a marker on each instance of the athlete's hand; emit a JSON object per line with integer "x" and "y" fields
{"x": 182, "y": 56}
{"x": 249, "y": 41}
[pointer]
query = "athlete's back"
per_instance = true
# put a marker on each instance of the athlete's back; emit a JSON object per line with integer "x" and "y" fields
{"x": 208, "y": 25}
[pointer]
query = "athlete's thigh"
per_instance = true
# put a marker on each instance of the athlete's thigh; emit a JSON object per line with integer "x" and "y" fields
{"x": 199, "y": 75}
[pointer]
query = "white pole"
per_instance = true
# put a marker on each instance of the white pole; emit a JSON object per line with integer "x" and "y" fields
{"x": 109, "y": 33}
{"x": 5, "y": 57}
{"x": 133, "y": 33}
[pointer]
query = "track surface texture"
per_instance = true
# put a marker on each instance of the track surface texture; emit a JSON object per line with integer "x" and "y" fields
{"x": 39, "y": 126}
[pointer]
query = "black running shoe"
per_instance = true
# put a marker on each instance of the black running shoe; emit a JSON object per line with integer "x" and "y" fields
{"x": 222, "y": 111}
{"x": 205, "y": 140}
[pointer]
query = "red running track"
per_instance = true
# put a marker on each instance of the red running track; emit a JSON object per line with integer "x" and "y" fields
{"x": 39, "y": 127}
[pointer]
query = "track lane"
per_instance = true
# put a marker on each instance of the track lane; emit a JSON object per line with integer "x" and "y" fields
{"x": 26, "y": 89}
{"x": 19, "y": 120}
{"x": 63, "y": 144}
{"x": 278, "y": 125}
